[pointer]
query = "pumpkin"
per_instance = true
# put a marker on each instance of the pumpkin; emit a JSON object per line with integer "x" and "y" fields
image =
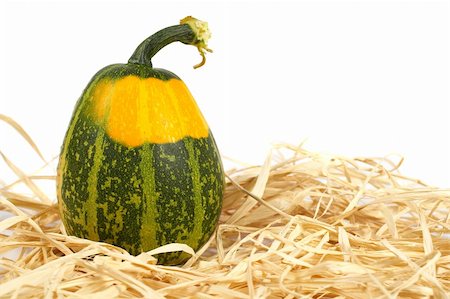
{"x": 139, "y": 167}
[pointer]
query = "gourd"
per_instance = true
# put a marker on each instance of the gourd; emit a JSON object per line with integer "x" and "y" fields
{"x": 139, "y": 167}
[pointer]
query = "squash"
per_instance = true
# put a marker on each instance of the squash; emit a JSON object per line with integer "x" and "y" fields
{"x": 139, "y": 167}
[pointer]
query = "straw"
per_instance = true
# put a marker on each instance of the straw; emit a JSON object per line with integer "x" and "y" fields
{"x": 301, "y": 225}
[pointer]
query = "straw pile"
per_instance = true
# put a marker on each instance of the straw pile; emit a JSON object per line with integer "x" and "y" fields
{"x": 302, "y": 225}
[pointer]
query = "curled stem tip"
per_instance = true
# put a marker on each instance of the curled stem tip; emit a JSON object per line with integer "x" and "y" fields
{"x": 202, "y": 35}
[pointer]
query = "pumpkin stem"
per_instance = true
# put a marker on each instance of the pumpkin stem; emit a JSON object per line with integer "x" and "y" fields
{"x": 190, "y": 31}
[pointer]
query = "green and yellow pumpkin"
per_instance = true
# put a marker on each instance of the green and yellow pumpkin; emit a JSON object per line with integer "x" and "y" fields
{"x": 139, "y": 167}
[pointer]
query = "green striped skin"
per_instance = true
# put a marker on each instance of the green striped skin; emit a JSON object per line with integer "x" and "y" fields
{"x": 120, "y": 70}
{"x": 139, "y": 197}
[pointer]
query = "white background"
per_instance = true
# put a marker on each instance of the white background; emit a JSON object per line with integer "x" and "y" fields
{"x": 354, "y": 78}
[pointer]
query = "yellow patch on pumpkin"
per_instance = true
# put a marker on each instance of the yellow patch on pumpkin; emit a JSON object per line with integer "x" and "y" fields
{"x": 138, "y": 110}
